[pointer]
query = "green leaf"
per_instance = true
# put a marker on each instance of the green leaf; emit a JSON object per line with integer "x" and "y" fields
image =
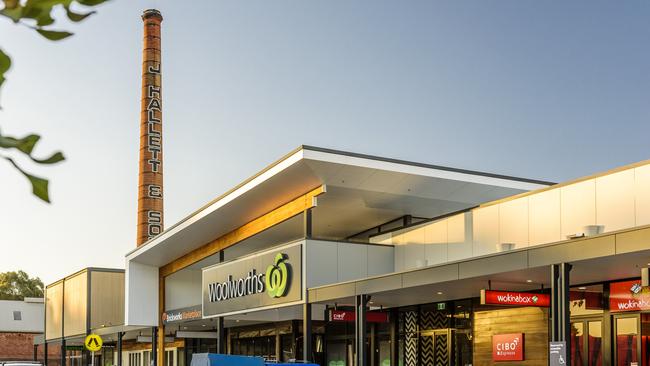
{"x": 77, "y": 17}
{"x": 5, "y": 64}
{"x": 25, "y": 145}
{"x": 53, "y": 35}
{"x": 39, "y": 185}
{"x": 91, "y": 2}
{"x": 55, "y": 158}
{"x": 14, "y": 14}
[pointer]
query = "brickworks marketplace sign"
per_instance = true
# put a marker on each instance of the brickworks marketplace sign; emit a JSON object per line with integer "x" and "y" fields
{"x": 264, "y": 280}
{"x": 508, "y": 347}
{"x": 489, "y": 297}
{"x": 179, "y": 315}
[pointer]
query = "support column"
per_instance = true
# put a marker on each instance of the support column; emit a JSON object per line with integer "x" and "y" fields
{"x": 560, "y": 306}
{"x": 373, "y": 344}
{"x": 36, "y": 352}
{"x": 394, "y": 335}
{"x": 154, "y": 345}
{"x": 221, "y": 336}
{"x": 306, "y": 332}
{"x": 63, "y": 353}
{"x": 361, "y": 329}
{"x": 159, "y": 339}
{"x": 120, "y": 335}
{"x": 307, "y": 224}
{"x": 45, "y": 353}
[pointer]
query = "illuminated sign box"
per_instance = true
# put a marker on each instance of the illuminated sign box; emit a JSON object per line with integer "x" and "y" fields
{"x": 264, "y": 280}
{"x": 489, "y": 297}
{"x": 508, "y": 347}
{"x": 350, "y": 316}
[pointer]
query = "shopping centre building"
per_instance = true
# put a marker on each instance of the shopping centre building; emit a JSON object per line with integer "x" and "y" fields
{"x": 346, "y": 259}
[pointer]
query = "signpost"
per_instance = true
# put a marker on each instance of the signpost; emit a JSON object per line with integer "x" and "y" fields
{"x": 93, "y": 343}
{"x": 557, "y": 353}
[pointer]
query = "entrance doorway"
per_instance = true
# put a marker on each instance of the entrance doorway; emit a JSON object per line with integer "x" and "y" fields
{"x": 436, "y": 347}
{"x": 632, "y": 339}
{"x": 587, "y": 342}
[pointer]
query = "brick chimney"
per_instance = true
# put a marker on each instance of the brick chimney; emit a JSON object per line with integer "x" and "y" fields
{"x": 150, "y": 182}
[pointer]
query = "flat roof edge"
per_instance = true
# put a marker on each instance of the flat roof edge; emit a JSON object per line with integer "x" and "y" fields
{"x": 425, "y": 165}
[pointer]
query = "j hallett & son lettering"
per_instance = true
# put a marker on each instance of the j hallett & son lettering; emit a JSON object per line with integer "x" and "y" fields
{"x": 264, "y": 279}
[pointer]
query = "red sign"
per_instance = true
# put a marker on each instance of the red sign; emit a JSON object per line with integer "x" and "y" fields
{"x": 350, "y": 316}
{"x": 489, "y": 297}
{"x": 508, "y": 347}
{"x": 628, "y": 296}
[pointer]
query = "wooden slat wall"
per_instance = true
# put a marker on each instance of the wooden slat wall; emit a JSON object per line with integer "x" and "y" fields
{"x": 532, "y": 321}
{"x": 256, "y": 226}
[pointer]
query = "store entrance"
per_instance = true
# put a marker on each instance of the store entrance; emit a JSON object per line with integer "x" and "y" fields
{"x": 436, "y": 347}
{"x": 632, "y": 339}
{"x": 587, "y": 342}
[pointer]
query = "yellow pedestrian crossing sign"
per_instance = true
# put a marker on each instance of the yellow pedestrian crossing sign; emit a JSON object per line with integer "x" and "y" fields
{"x": 93, "y": 342}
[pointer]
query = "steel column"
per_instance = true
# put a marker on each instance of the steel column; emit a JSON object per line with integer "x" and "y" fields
{"x": 394, "y": 334}
{"x": 45, "y": 353}
{"x": 306, "y": 332}
{"x": 63, "y": 353}
{"x": 361, "y": 329}
{"x": 154, "y": 346}
{"x": 120, "y": 335}
{"x": 307, "y": 223}
{"x": 221, "y": 334}
{"x": 560, "y": 306}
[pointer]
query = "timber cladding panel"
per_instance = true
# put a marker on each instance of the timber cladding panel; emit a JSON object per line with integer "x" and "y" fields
{"x": 106, "y": 299}
{"x": 531, "y": 321}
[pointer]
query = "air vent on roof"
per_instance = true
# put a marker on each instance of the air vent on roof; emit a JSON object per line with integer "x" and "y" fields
{"x": 18, "y": 315}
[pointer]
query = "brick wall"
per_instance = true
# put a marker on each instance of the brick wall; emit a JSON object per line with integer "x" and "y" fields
{"x": 20, "y": 347}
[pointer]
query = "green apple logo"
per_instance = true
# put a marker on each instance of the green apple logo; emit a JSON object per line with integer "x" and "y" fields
{"x": 535, "y": 298}
{"x": 276, "y": 277}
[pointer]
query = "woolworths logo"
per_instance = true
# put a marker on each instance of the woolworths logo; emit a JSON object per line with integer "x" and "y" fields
{"x": 274, "y": 281}
{"x": 276, "y": 277}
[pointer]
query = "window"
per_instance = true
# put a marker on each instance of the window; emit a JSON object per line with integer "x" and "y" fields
{"x": 18, "y": 315}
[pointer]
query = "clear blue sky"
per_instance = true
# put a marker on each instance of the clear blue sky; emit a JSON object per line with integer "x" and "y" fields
{"x": 542, "y": 89}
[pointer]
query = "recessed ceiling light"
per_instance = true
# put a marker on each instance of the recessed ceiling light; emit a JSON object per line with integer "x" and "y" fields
{"x": 371, "y": 302}
{"x": 203, "y": 325}
{"x": 582, "y": 288}
{"x": 529, "y": 281}
{"x": 439, "y": 292}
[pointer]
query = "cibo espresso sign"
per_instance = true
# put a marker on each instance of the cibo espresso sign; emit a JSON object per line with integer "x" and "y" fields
{"x": 508, "y": 347}
{"x": 262, "y": 280}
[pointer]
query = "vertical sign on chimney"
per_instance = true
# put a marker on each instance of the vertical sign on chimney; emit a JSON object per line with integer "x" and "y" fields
{"x": 150, "y": 182}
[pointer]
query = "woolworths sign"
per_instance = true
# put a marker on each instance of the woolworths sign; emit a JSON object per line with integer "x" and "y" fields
{"x": 264, "y": 280}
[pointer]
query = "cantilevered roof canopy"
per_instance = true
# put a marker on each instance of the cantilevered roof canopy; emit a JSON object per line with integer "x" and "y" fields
{"x": 362, "y": 191}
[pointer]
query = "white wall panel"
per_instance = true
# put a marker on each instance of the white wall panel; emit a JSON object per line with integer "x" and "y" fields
{"x": 544, "y": 212}
{"x": 642, "y": 193}
{"x": 578, "y": 207}
{"x": 413, "y": 254}
{"x": 513, "y": 222}
{"x": 183, "y": 289}
{"x": 459, "y": 236}
{"x": 141, "y": 294}
{"x": 352, "y": 262}
{"x": 615, "y": 200}
{"x": 321, "y": 260}
{"x": 380, "y": 260}
{"x": 399, "y": 258}
{"x": 435, "y": 237}
{"x": 486, "y": 230}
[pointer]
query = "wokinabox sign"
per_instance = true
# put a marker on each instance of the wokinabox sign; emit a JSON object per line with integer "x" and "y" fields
{"x": 489, "y": 297}
{"x": 628, "y": 296}
{"x": 263, "y": 280}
